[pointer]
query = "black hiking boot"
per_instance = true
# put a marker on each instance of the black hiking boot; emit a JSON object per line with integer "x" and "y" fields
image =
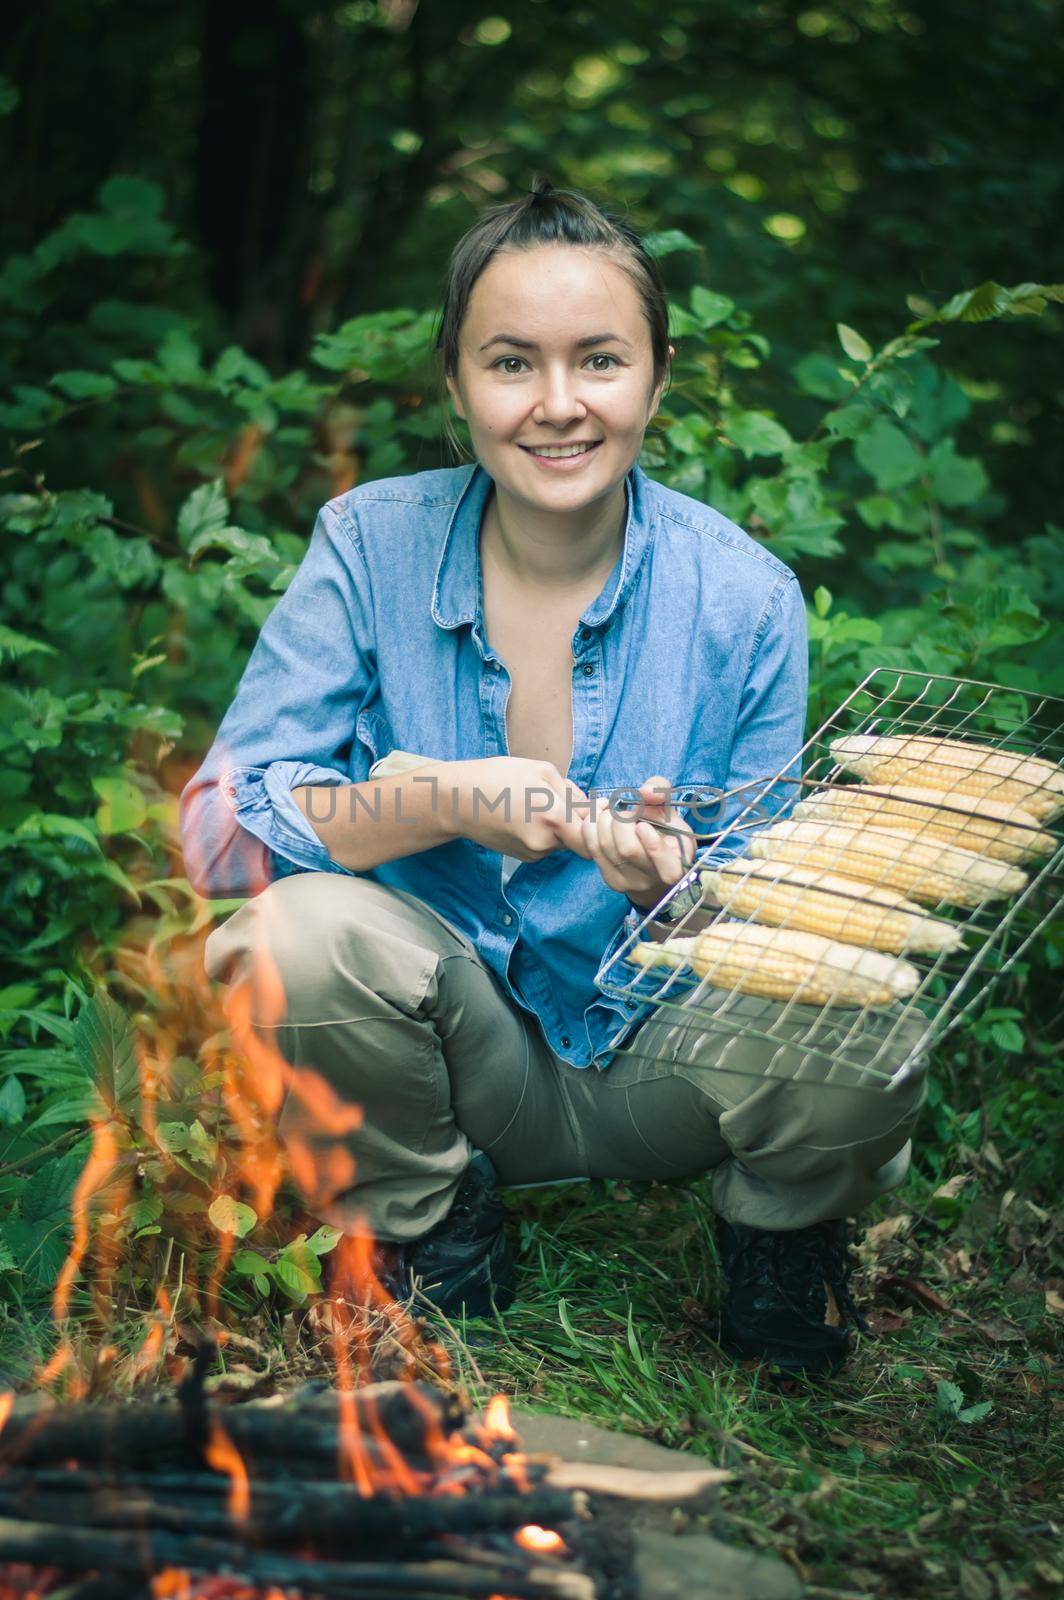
{"x": 787, "y": 1299}
{"x": 465, "y": 1260}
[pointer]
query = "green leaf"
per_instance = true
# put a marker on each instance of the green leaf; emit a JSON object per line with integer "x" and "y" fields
{"x": 231, "y": 1216}
{"x": 131, "y": 197}
{"x": 78, "y": 385}
{"x": 205, "y": 511}
{"x": 15, "y": 644}
{"x": 262, "y": 1283}
{"x": 563, "y": 1318}
{"x": 993, "y": 300}
{"x": 123, "y": 808}
{"x": 12, "y": 1103}
{"x": 822, "y": 601}
{"x": 850, "y": 422}
{"x": 47, "y": 1195}
{"x": 292, "y": 1273}
{"x": 249, "y": 1263}
{"x": 145, "y": 1210}
{"x": 856, "y": 348}
{"x": 180, "y": 357}
{"x": 888, "y": 455}
{"x": 236, "y": 366}
{"x": 39, "y": 1248}
{"x": 136, "y": 370}
{"x": 254, "y": 547}
{"x": 1004, "y": 616}
{"x": 950, "y": 1397}
{"x": 1008, "y": 1037}
{"x": 105, "y": 1047}
{"x": 955, "y": 480}
{"x": 667, "y": 241}
{"x": 324, "y": 1240}
{"x": 819, "y": 375}
{"x": 977, "y": 1412}
{"x": 755, "y": 433}
{"x": 710, "y": 308}
{"x": 47, "y": 825}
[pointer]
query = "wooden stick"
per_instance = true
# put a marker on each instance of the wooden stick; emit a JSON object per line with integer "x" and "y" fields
{"x": 336, "y": 1518}
{"x": 138, "y": 1554}
{"x": 145, "y": 1435}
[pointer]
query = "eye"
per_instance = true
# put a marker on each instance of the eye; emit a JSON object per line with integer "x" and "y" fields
{"x": 503, "y": 359}
{"x": 604, "y": 355}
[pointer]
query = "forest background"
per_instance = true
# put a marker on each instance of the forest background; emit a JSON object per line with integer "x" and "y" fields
{"x": 224, "y": 232}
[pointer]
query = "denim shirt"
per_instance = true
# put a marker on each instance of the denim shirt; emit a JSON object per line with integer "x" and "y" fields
{"x": 690, "y": 663}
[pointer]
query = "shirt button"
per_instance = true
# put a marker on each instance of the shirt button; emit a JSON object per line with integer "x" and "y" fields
{"x": 507, "y": 918}
{"x": 588, "y": 669}
{"x": 566, "y": 1042}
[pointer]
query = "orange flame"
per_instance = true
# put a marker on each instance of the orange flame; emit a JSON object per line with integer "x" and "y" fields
{"x": 222, "y": 1454}
{"x": 543, "y": 1540}
{"x": 7, "y": 1400}
{"x": 497, "y": 1418}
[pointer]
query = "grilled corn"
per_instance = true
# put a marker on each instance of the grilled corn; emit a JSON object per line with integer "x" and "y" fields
{"x": 923, "y": 868}
{"x": 781, "y": 965}
{"x": 955, "y": 766}
{"x": 851, "y": 909}
{"x": 996, "y": 828}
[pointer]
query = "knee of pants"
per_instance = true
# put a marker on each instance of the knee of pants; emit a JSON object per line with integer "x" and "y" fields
{"x": 846, "y": 1116}
{"x": 284, "y": 945}
{"x": 784, "y": 1116}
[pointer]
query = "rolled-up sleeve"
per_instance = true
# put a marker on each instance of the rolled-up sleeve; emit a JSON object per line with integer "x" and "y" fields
{"x": 290, "y": 724}
{"x": 770, "y": 727}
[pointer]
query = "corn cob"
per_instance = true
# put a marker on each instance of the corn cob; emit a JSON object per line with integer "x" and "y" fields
{"x": 993, "y": 827}
{"x": 782, "y": 894}
{"x": 781, "y": 965}
{"x": 955, "y": 767}
{"x": 929, "y": 871}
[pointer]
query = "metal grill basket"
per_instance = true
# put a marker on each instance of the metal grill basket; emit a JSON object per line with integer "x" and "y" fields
{"x": 689, "y": 1020}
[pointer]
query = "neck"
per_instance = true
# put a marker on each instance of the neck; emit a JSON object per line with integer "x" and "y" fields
{"x": 549, "y": 549}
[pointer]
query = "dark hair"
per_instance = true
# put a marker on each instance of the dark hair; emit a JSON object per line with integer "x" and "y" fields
{"x": 545, "y": 216}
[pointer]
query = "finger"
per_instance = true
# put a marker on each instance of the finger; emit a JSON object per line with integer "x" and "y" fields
{"x": 656, "y": 794}
{"x": 662, "y": 852}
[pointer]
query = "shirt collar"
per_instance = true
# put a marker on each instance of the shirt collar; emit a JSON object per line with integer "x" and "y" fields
{"x": 457, "y": 593}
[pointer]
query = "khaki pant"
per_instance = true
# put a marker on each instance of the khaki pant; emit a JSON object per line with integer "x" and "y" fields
{"x": 395, "y": 1009}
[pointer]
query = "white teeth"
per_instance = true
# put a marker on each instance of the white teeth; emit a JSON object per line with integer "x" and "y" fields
{"x": 563, "y": 450}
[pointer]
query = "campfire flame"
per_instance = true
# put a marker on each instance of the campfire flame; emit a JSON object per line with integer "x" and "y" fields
{"x": 543, "y": 1540}
{"x": 222, "y": 1454}
{"x": 497, "y": 1418}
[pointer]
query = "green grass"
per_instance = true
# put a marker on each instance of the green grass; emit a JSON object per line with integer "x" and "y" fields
{"x": 884, "y": 1481}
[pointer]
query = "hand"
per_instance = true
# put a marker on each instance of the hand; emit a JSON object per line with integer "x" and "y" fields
{"x": 633, "y": 857}
{"x": 514, "y": 805}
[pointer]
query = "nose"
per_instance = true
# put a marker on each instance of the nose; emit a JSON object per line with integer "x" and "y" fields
{"x": 559, "y": 402}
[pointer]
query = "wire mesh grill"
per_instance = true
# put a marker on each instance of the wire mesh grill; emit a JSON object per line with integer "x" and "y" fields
{"x": 849, "y": 824}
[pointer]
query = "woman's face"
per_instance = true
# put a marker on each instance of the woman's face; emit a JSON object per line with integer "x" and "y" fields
{"x": 555, "y": 352}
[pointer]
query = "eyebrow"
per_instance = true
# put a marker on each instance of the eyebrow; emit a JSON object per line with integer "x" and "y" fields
{"x": 528, "y": 344}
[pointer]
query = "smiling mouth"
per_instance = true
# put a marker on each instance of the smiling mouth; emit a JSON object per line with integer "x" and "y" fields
{"x": 560, "y": 452}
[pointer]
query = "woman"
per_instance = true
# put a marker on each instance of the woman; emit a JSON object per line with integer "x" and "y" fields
{"x": 545, "y": 623}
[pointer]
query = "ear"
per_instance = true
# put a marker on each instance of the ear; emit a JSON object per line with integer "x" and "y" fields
{"x": 660, "y": 390}
{"x": 452, "y": 390}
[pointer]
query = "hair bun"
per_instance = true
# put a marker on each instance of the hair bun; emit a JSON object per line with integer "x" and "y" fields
{"x": 540, "y": 189}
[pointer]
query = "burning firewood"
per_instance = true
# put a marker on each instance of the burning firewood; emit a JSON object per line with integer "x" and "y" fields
{"x": 383, "y": 1490}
